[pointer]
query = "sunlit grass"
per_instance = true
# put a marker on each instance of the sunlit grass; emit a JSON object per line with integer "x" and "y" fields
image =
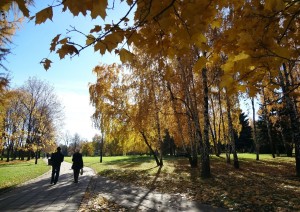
{"x": 16, "y": 172}
{"x": 148, "y": 164}
{"x": 259, "y": 180}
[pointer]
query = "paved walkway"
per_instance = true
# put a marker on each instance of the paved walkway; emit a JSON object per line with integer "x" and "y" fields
{"x": 142, "y": 199}
{"x": 39, "y": 195}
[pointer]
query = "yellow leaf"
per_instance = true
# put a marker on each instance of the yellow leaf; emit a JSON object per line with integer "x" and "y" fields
{"x": 46, "y": 64}
{"x": 66, "y": 49}
{"x": 240, "y": 56}
{"x": 274, "y": 5}
{"x": 216, "y": 23}
{"x": 112, "y": 40}
{"x": 107, "y": 27}
{"x": 5, "y": 5}
{"x": 129, "y": 2}
{"x": 99, "y": 8}
{"x": 43, "y": 15}
{"x": 242, "y": 88}
{"x": 100, "y": 46}
{"x": 200, "y": 64}
{"x": 22, "y": 7}
{"x": 228, "y": 66}
{"x": 97, "y": 28}
{"x": 125, "y": 55}
{"x": 199, "y": 39}
{"x": 63, "y": 41}
{"x": 54, "y": 43}
{"x": 90, "y": 39}
{"x": 226, "y": 81}
{"x": 168, "y": 74}
{"x": 283, "y": 52}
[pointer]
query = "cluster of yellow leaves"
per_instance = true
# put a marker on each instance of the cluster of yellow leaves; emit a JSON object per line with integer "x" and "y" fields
{"x": 6, "y": 5}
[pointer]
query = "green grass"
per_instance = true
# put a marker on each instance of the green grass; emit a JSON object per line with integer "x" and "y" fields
{"x": 16, "y": 172}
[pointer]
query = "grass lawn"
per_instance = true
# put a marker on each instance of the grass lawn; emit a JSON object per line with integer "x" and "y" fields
{"x": 265, "y": 185}
{"x": 16, "y": 172}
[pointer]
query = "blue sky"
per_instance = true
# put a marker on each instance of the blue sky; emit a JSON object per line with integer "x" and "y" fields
{"x": 69, "y": 77}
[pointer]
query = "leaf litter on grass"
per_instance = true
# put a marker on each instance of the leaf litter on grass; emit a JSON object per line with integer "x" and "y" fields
{"x": 256, "y": 186}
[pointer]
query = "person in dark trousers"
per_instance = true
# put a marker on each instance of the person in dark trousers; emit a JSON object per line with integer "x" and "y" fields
{"x": 77, "y": 164}
{"x": 56, "y": 158}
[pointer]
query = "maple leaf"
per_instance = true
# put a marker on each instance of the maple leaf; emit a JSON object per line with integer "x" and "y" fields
{"x": 54, "y": 43}
{"x": 100, "y": 46}
{"x": 90, "y": 39}
{"x": 46, "y": 64}
{"x": 43, "y": 15}
{"x": 5, "y": 5}
{"x": 112, "y": 40}
{"x": 97, "y": 28}
{"x": 199, "y": 39}
{"x": 22, "y": 7}
{"x": 129, "y": 2}
{"x": 99, "y": 8}
{"x": 66, "y": 49}
{"x": 274, "y": 5}
{"x": 201, "y": 62}
{"x": 107, "y": 27}
{"x": 125, "y": 55}
{"x": 63, "y": 41}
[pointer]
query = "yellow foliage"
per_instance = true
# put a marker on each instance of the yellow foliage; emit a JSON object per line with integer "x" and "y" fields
{"x": 100, "y": 46}
{"x": 43, "y": 15}
{"x": 67, "y": 49}
{"x": 216, "y": 23}
{"x": 274, "y": 5}
{"x": 46, "y": 64}
{"x": 5, "y": 5}
{"x": 90, "y": 39}
{"x": 97, "y": 28}
{"x": 199, "y": 39}
{"x": 99, "y": 8}
{"x": 22, "y": 7}
{"x": 240, "y": 56}
{"x": 199, "y": 65}
{"x": 125, "y": 55}
{"x": 54, "y": 43}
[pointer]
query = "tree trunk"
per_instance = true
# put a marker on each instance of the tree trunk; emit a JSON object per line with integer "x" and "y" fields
{"x": 226, "y": 142}
{"x": 8, "y": 153}
{"x": 294, "y": 118}
{"x": 265, "y": 111}
{"x": 231, "y": 134}
{"x": 36, "y": 157}
{"x": 255, "y": 129}
{"x": 213, "y": 130}
{"x": 205, "y": 162}
{"x": 214, "y": 141}
{"x": 193, "y": 116}
{"x": 157, "y": 122}
{"x": 101, "y": 149}
{"x": 150, "y": 148}
{"x": 179, "y": 126}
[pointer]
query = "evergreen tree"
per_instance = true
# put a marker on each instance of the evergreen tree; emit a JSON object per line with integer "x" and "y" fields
{"x": 244, "y": 142}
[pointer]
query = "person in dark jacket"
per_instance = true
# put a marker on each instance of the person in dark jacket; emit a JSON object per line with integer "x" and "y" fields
{"x": 56, "y": 159}
{"x": 77, "y": 164}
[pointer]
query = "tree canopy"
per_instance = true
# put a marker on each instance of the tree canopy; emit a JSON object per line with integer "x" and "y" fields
{"x": 186, "y": 55}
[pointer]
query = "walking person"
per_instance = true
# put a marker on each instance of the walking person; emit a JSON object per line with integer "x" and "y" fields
{"x": 56, "y": 158}
{"x": 77, "y": 164}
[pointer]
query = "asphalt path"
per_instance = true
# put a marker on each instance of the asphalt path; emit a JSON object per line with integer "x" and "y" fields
{"x": 39, "y": 195}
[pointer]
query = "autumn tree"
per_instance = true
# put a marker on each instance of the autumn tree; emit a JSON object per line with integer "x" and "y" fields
{"x": 267, "y": 45}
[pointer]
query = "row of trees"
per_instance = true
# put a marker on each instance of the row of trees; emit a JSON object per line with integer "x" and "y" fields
{"x": 30, "y": 118}
{"x": 185, "y": 66}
